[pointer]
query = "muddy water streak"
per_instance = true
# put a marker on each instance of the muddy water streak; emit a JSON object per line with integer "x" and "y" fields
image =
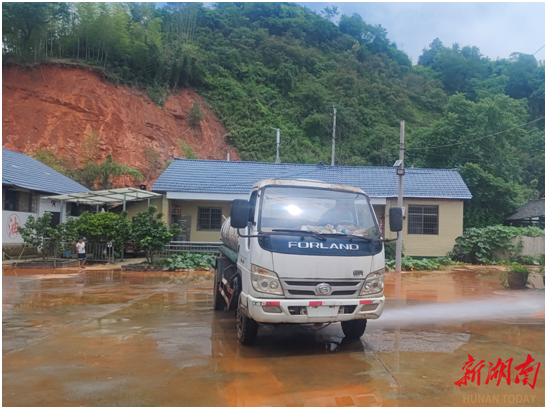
{"x": 501, "y": 307}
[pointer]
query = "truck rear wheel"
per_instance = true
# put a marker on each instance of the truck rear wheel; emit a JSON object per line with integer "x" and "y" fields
{"x": 247, "y": 329}
{"x": 354, "y": 329}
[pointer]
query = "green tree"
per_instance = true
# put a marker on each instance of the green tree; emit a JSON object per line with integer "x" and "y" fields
{"x": 123, "y": 232}
{"x": 97, "y": 226}
{"x": 39, "y": 233}
{"x": 151, "y": 233}
{"x": 493, "y": 197}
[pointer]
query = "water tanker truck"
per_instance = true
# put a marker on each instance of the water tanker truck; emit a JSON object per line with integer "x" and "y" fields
{"x": 302, "y": 252}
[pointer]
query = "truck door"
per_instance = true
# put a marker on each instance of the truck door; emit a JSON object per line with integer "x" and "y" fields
{"x": 245, "y": 242}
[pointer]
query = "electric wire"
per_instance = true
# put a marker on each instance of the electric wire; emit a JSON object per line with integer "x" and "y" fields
{"x": 539, "y": 50}
{"x": 476, "y": 139}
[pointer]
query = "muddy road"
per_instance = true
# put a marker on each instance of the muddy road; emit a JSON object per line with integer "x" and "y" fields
{"x": 107, "y": 338}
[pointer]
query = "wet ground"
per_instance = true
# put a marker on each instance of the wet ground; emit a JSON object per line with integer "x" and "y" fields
{"x": 111, "y": 338}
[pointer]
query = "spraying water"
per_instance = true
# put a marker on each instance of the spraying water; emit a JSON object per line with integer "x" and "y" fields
{"x": 518, "y": 306}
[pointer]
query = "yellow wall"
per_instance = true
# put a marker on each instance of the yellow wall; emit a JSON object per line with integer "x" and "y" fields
{"x": 190, "y": 208}
{"x": 450, "y": 223}
{"x": 161, "y": 203}
{"x": 425, "y": 245}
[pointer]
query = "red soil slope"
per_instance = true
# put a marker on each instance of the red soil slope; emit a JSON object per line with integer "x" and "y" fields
{"x": 56, "y": 106}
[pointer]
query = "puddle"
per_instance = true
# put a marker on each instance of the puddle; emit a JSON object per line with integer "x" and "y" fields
{"x": 112, "y": 338}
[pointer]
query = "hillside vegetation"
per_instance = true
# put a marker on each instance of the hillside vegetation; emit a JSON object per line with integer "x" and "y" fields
{"x": 264, "y": 65}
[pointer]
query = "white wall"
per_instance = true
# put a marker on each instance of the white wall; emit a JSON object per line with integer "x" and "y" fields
{"x": 10, "y": 221}
{"x": 48, "y": 206}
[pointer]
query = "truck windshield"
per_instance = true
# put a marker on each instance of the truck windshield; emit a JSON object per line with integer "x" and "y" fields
{"x": 316, "y": 210}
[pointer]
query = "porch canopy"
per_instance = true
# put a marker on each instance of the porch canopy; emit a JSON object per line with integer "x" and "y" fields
{"x": 101, "y": 197}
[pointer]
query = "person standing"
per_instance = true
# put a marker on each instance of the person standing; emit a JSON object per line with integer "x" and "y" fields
{"x": 80, "y": 246}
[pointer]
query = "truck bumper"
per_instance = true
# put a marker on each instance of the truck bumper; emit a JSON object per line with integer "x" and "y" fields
{"x": 301, "y": 311}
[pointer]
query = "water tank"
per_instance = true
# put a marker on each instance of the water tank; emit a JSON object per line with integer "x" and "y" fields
{"x": 229, "y": 235}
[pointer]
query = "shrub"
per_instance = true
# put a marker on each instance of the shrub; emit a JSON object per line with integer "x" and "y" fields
{"x": 517, "y": 268}
{"x": 156, "y": 93}
{"x": 411, "y": 264}
{"x": 195, "y": 115}
{"x": 190, "y": 261}
{"x": 186, "y": 151}
{"x": 390, "y": 249}
{"x": 527, "y": 260}
{"x": 512, "y": 268}
{"x": 478, "y": 245}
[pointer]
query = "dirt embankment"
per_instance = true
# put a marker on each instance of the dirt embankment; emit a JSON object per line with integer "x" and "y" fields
{"x": 57, "y": 106}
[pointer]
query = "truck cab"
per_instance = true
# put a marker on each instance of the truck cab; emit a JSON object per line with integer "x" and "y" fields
{"x": 301, "y": 252}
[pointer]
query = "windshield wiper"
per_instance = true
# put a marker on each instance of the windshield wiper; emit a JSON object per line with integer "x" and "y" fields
{"x": 301, "y": 231}
{"x": 370, "y": 240}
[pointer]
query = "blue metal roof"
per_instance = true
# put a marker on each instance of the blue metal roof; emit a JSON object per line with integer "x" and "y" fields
{"x": 21, "y": 170}
{"x": 222, "y": 177}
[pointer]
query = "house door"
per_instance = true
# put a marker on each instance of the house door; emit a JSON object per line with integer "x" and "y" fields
{"x": 55, "y": 219}
{"x": 184, "y": 223}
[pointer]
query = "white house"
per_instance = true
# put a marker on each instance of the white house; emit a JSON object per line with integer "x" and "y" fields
{"x": 24, "y": 182}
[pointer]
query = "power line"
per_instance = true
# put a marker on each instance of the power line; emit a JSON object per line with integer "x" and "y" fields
{"x": 539, "y": 50}
{"x": 476, "y": 139}
{"x": 447, "y": 156}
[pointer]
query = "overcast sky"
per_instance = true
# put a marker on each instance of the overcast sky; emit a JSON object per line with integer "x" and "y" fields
{"x": 498, "y": 29}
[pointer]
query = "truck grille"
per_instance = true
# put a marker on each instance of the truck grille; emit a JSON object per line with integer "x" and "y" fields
{"x": 300, "y": 292}
{"x": 306, "y": 289}
{"x": 331, "y": 283}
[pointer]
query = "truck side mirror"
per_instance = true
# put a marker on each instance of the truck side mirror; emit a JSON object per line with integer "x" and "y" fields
{"x": 239, "y": 214}
{"x": 396, "y": 219}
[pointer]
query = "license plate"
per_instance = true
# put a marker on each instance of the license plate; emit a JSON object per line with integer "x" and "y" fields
{"x": 323, "y": 311}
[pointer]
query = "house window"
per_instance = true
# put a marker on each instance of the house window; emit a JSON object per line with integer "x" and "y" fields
{"x": 209, "y": 218}
{"x": 423, "y": 219}
{"x": 18, "y": 201}
{"x": 10, "y": 199}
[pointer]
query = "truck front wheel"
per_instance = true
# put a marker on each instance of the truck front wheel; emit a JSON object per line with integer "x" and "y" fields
{"x": 247, "y": 329}
{"x": 354, "y": 329}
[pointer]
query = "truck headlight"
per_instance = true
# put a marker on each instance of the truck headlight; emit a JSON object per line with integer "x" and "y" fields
{"x": 374, "y": 283}
{"x": 265, "y": 281}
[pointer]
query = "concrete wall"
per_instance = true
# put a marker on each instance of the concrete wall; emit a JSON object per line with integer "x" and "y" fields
{"x": 531, "y": 246}
{"x": 425, "y": 245}
{"x": 190, "y": 208}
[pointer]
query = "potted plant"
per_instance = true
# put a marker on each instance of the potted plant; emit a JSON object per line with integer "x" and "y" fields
{"x": 517, "y": 276}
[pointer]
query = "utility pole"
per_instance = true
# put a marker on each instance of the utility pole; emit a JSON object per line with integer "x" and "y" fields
{"x": 400, "y": 172}
{"x": 278, "y": 138}
{"x": 333, "y": 135}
